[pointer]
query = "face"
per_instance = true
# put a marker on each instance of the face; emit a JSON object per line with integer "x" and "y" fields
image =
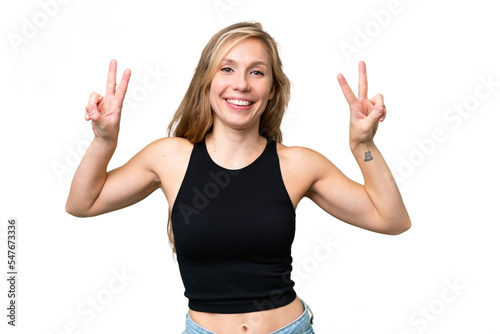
{"x": 242, "y": 86}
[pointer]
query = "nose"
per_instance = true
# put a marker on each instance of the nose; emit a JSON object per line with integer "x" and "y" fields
{"x": 240, "y": 82}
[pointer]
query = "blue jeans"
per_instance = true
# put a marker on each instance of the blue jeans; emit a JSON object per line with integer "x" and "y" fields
{"x": 301, "y": 325}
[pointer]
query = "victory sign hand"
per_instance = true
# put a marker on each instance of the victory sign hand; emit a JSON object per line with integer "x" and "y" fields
{"x": 365, "y": 113}
{"x": 104, "y": 111}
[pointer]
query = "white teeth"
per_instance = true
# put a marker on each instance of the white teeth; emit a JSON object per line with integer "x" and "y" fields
{"x": 239, "y": 102}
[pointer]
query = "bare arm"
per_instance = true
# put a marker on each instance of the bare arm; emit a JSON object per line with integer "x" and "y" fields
{"x": 382, "y": 189}
{"x": 377, "y": 205}
{"x": 94, "y": 190}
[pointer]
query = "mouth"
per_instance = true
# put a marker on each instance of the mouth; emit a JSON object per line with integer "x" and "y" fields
{"x": 239, "y": 102}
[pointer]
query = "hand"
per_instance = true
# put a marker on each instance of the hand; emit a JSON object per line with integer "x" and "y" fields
{"x": 104, "y": 111}
{"x": 365, "y": 113}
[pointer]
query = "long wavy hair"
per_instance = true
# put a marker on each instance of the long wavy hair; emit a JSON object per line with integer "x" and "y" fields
{"x": 193, "y": 119}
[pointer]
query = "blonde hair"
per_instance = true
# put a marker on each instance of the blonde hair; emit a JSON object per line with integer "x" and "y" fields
{"x": 193, "y": 119}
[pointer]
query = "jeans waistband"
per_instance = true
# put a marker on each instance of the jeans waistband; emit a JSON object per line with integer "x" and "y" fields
{"x": 298, "y": 325}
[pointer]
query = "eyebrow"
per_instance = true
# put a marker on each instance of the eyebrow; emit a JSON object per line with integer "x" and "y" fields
{"x": 231, "y": 61}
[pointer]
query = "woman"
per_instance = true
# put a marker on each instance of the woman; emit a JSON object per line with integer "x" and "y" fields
{"x": 232, "y": 187}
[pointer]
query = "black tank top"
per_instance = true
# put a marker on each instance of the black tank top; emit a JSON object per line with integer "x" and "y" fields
{"x": 233, "y": 232}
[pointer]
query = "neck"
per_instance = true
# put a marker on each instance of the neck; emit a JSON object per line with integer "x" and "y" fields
{"x": 234, "y": 149}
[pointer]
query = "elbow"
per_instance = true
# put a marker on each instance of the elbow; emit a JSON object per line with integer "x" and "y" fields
{"x": 74, "y": 212}
{"x": 399, "y": 227}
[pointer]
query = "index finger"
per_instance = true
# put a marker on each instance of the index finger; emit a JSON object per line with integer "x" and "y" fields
{"x": 111, "y": 81}
{"x": 348, "y": 94}
{"x": 363, "y": 81}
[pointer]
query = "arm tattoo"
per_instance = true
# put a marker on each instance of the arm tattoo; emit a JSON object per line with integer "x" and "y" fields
{"x": 368, "y": 156}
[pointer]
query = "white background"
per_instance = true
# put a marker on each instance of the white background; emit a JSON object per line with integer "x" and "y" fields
{"x": 428, "y": 58}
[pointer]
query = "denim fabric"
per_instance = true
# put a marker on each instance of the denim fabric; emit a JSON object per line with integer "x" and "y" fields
{"x": 301, "y": 325}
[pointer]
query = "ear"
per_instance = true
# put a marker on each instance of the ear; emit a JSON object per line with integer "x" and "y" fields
{"x": 271, "y": 93}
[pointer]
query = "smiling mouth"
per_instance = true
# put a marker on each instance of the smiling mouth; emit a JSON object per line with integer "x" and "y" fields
{"x": 239, "y": 102}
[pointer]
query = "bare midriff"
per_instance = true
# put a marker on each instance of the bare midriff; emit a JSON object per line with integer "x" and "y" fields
{"x": 259, "y": 322}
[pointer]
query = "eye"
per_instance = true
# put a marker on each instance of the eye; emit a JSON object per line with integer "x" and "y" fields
{"x": 226, "y": 69}
{"x": 257, "y": 73}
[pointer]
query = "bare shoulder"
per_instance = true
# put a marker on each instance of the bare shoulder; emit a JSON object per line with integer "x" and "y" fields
{"x": 162, "y": 156}
{"x": 168, "y": 153}
{"x": 295, "y": 151}
{"x": 306, "y": 169}
{"x": 170, "y": 145}
{"x": 301, "y": 168}
{"x": 169, "y": 158}
{"x": 301, "y": 157}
